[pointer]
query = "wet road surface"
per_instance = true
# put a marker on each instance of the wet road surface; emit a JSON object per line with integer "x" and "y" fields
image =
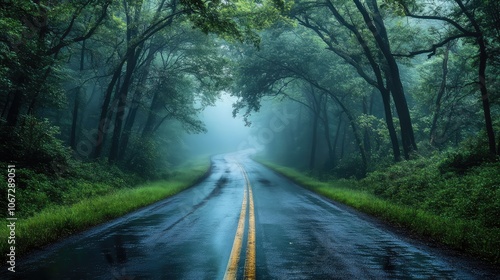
{"x": 206, "y": 232}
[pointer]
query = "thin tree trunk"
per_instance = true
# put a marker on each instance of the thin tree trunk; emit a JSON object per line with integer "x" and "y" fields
{"x": 441, "y": 92}
{"x": 74, "y": 122}
{"x": 483, "y": 56}
{"x": 386, "y": 99}
{"x": 127, "y": 130}
{"x": 76, "y": 106}
{"x": 326, "y": 126}
{"x": 336, "y": 139}
{"x": 377, "y": 28}
{"x": 342, "y": 144}
{"x": 104, "y": 119}
{"x": 366, "y": 132}
{"x": 122, "y": 104}
{"x": 156, "y": 105}
{"x": 314, "y": 140}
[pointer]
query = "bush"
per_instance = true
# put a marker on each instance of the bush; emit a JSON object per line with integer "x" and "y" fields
{"x": 474, "y": 195}
{"x": 36, "y": 191}
{"x": 470, "y": 154}
{"x": 146, "y": 160}
{"x": 351, "y": 167}
{"x": 34, "y": 144}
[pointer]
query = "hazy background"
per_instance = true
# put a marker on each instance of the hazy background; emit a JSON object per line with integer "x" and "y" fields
{"x": 225, "y": 133}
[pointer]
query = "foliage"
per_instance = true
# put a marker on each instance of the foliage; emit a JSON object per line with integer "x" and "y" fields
{"x": 446, "y": 185}
{"x": 146, "y": 158}
{"x": 38, "y": 191}
{"x": 236, "y": 20}
{"x": 34, "y": 144}
{"x": 470, "y": 154}
{"x": 348, "y": 168}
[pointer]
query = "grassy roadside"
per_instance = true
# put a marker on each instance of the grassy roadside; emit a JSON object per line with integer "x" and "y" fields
{"x": 56, "y": 222}
{"x": 467, "y": 235}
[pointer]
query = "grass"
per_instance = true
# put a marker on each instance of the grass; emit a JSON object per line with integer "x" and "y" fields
{"x": 465, "y": 234}
{"x": 56, "y": 222}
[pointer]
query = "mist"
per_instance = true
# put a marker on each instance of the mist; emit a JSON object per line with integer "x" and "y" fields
{"x": 225, "y": 133}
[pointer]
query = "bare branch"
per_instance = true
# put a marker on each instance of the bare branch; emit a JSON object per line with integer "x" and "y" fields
{"x": 432, "y": 50}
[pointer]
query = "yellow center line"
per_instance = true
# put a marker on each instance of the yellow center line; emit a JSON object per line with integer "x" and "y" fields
{"x": 250, "y": 256}
{"x": 232, "y": 266}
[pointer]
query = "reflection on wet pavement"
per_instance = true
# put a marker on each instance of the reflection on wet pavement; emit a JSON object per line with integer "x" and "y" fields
{"x": 299, "y": 235}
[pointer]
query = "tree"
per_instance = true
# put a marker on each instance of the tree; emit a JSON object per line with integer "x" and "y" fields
{"x": 285, "y": 62}
{"x": 38, "y": 34}
{"x": 466, "y": 20}
{"x": 371, "y": 56}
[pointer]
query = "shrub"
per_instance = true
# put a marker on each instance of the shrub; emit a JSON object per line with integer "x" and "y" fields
{"x": 351, "y": 167}
{"x": 34, "y": 144}
{"x": 471, "y": 153}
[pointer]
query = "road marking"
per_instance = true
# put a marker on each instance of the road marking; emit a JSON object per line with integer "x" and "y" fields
{"x": 250, "y": 257}
{"x": 232, "y": 266}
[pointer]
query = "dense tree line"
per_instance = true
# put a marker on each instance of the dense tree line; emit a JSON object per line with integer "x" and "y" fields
{"x": 120, "y": 80}
{"x": 369, "y": 81}
{"x": 361, "y": 65}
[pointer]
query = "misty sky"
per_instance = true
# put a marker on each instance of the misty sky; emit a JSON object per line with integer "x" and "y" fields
{"x": 225, "y": 133}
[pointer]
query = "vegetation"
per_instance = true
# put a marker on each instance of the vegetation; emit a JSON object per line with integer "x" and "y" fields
{"x": 457, "y": 210}
{"x": 86, "y": 202}
{"x": 403, "y": 95}
{"x": 97, "y": 96}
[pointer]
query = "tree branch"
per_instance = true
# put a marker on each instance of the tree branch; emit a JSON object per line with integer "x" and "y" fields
{"x": 432, "y": 50}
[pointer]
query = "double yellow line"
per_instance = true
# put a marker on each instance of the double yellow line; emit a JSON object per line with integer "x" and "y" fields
{"x": 232, "y": 265}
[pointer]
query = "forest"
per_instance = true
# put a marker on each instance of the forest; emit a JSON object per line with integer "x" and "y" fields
{"x": 398, "y": 99}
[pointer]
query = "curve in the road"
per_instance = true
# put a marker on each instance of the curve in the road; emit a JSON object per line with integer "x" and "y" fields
{"x": 200, "y": 233}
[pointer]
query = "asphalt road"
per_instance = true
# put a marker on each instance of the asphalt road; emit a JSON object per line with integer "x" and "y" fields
{"x": 244, "y": 221}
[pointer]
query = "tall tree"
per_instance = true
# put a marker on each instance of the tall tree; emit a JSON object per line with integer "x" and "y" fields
{"x": 39, "y": 32}
{"x": 370, "y": 55}
{"x": 465, "y": 20}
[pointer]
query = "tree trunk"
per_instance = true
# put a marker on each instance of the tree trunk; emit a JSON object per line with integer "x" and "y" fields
{"x": 336, "y": 139}
{"x": 76, "y": 106}
{"x": 156, "y": 105}
{"x": 442, "y": 90}
{"x": 74, "y": 122}
{"x": 122, "y": 104}
{"x": 407, "y": 136}
{"x": 314, "y": 140}
{"x": 378, "y": 83}
{"x": 326, "y": 127}
{"x": 104, "y": 119}
{"x": 342, "y": 144}
{"x": 386, "y": 99}
{"x": 377, "y": 28}
{"x": 483, "y": 56}
{"x": 366, "y": 132}
{"x": 127, "y": 130}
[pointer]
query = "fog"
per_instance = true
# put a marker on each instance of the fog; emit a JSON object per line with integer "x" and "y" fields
{"x": 224, "y": 133}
